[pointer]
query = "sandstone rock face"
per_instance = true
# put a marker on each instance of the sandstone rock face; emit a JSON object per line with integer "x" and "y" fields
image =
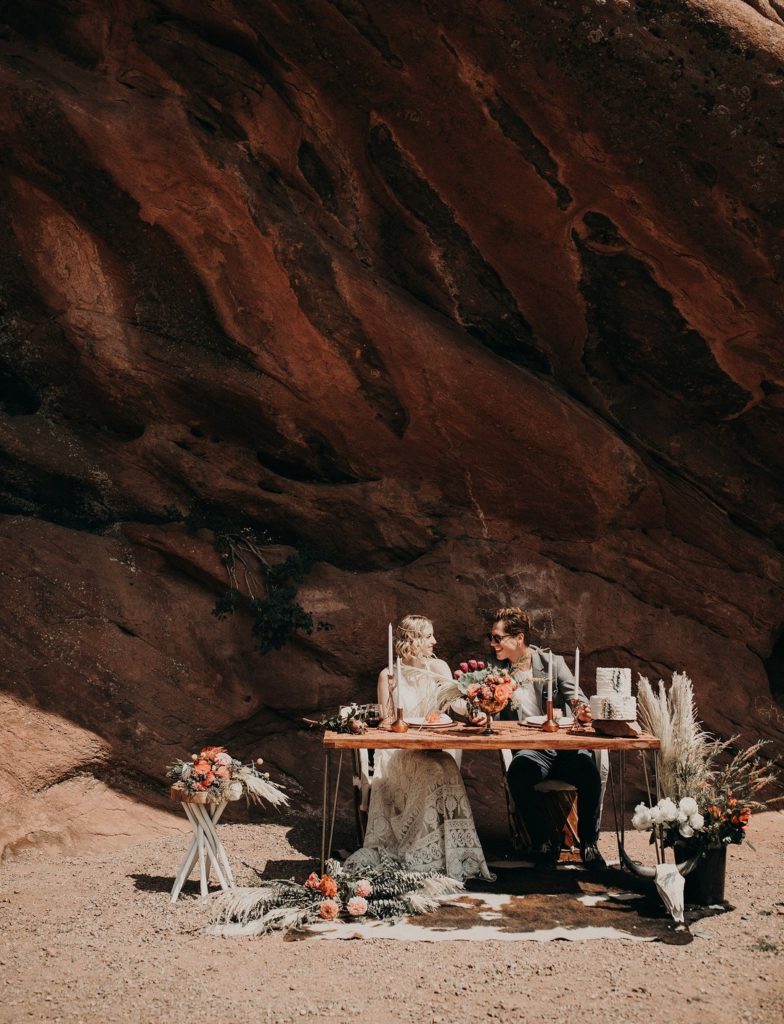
{"x": 476, "y": 304}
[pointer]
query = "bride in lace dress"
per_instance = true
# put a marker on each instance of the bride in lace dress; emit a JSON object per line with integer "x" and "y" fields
{"x": 419, "y": 812}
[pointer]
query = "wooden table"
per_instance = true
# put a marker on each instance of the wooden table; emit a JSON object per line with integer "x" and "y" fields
{"x": 505, "y": 736}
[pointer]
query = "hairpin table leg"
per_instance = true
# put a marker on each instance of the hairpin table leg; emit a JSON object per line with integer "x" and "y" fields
{"x": 324, "y": 810}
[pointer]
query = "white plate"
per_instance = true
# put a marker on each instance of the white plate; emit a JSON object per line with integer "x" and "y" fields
{"x": 564, "y": 723}
{"x": 421, "y": 723}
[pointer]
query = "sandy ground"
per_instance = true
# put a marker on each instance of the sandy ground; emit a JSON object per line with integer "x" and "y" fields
{"x": 95, "y": 939}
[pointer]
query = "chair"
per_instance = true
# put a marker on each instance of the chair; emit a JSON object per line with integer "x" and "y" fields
{"x": 559, "y": 803}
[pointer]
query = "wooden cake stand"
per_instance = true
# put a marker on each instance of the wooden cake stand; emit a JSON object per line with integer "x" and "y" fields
{"x": 206, "y": 847}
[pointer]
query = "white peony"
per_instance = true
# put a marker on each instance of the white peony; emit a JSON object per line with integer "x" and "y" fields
{"x": 668, "y": 809}
{"x": 656, "y": 815}
{"x": 688, "y": 805}
{"x": 682, "y": 817}
{"x": 642, "y": 819}
{"x": 696, "y": 821}
{"x": 686, "y": 831}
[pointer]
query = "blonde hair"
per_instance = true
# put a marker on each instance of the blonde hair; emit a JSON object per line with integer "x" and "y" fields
{"x": 409, "y": 633}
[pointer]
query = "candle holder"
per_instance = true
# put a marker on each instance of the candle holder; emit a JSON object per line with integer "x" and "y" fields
{"x": 400, "y": 724}
{"x": 549, "y": 724}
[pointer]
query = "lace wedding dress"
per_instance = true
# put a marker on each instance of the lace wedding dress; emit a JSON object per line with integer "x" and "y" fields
{"x": 419, "y": 814}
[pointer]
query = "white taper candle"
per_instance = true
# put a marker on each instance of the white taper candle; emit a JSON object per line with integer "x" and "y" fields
{"x": 550, "y": 677}
{"x": 576, "y": 669}
{"x": 389, "y": 649}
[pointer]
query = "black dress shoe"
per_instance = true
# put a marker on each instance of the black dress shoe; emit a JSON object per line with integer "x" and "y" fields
{"x": 546, "y": 859}
{"x": 591, "y": 858}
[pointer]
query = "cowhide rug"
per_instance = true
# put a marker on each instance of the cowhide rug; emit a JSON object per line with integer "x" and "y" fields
{"x": 524, "y": 904}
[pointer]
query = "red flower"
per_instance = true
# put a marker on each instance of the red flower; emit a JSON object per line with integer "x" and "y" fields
{"x": 473, "y": 665}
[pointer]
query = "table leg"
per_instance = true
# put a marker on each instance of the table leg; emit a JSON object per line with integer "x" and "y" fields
{"x": 187, "y": 861}
{"x": 203, "y": 883}
{"x": 335, "y": 803}
{"x": 212, "y": 844}
{"x": 324, "y": 806}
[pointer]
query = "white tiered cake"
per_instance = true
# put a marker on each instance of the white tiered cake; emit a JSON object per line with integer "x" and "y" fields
{"x": 613, "y": 700}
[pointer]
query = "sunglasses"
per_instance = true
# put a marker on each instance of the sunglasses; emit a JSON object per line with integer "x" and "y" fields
{"x": 498, "y": 638}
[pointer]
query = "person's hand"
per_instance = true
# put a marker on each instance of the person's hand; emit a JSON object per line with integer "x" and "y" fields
{"x": 476, "y": 717}
{"x": 584, "y": 714}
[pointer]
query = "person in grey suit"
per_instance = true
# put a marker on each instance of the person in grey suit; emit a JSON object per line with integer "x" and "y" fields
{"x": 529, "y": 665}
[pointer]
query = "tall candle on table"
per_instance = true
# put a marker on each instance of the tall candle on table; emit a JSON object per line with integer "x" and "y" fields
{"x": 550, "y": 678}
{"x": 398, "y": 681}
{"x": 389, "y": 651}
{"x": 576, "y": 669}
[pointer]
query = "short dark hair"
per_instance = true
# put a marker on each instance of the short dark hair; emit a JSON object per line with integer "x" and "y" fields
{"x": 515, "y": 620}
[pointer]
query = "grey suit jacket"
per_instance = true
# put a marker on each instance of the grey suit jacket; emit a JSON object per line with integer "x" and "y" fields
{"x": 564, "y": 687}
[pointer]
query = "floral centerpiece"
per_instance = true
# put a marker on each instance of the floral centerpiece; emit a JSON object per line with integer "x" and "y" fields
{"x": 217, "y": 776}
{"x": 385, "y": 892}
{"x": 483, "y": 689}
{"x": 349, "y": 718}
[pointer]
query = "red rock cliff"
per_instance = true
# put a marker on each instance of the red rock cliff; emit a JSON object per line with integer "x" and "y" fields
{"x": 478, "y": 303}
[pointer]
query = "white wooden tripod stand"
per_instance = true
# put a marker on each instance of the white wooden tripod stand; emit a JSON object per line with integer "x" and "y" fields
{"x": 206, "y": 847}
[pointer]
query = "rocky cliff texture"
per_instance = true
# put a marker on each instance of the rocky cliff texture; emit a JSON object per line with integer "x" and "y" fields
{"x": 474, "y": 303}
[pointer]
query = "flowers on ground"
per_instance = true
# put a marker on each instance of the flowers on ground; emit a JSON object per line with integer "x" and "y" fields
{"x": 329, "y": 909}
{"x": 384, "y": 892}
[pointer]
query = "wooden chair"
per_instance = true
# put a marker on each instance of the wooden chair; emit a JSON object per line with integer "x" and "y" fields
{"x": 559, "y": 803}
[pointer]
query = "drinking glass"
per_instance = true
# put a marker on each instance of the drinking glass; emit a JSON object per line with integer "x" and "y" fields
{"x": 373, "y": 715}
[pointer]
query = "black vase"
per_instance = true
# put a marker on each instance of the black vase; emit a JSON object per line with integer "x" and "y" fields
{"x": 705, "y": 884}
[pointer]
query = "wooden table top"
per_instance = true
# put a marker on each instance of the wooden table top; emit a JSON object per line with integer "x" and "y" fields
{"x": 505, "y": 736}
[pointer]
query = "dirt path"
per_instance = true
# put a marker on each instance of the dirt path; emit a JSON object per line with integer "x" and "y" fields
{"x": 95, "y": 939}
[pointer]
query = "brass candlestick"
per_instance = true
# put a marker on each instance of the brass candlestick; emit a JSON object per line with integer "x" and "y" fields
{"x": 549, "y": 724}
{"x": 400, "y": 724}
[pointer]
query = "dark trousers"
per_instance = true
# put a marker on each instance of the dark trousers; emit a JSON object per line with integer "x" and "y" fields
{"x": 577, "y": 767}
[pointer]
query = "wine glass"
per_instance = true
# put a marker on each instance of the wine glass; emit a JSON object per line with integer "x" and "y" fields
{"x": 576, "y": 704}
{"x": 373, "y": 715}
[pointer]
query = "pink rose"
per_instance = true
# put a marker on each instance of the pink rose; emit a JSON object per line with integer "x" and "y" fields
{"x": 328, "y": 909}
{"x": 473, "y": 665}
{"x": 458, "y": 673}
{"x": 480, "y": 664}
{"x": 363, "y": 888}
{"x": 356, "y": 906}
{"x": 464, "y": 666}
{"x": 313, "y": 881}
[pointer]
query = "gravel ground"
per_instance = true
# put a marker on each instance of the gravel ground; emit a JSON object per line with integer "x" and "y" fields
{"x": 95, "y": 939}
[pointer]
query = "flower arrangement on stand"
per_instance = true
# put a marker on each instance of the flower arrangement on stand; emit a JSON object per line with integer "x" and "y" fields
{"x": 386, "y": 892}
{"x": 216, "y": 775}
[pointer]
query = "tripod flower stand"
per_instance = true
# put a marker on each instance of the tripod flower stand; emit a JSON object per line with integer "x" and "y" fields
{"x": 206, "y": 847}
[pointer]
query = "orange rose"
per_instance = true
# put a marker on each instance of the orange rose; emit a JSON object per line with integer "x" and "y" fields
{"x": 328, "y": 886}
{"x": 503, "y": 692}
{"x": 223, "y": 772}
{"x": 473, "y": 690}
{"x": 211, "y": 752}
{"x": 202, "y": 767}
